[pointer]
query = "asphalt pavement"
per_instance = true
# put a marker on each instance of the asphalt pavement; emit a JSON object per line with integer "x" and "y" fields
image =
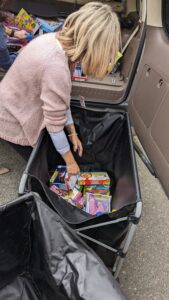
{"x": 145, "y": 272}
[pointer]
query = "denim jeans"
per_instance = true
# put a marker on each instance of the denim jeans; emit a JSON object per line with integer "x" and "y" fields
{"x": 6, "y": 58}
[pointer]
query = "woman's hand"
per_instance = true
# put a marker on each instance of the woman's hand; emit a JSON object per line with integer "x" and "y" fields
{"x": 71, "y": 164}
{"x": 77, "y": 145}
{"x": 21, "y": 34}
{"x": 73, "y": 169}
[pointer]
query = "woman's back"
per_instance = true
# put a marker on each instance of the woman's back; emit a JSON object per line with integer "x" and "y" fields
{"x": 43, "y": 60}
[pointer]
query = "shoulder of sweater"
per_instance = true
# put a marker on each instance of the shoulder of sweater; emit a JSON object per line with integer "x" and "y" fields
{"x": 56, "y": 64}
{"x": 56, "y": 60}
{"x": 55, "y": 67}
{"x": 55, "y": 55}
{"x": 52, "y": 44}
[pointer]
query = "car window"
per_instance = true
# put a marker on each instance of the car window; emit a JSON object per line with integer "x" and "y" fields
{"x": 165, "y": 15}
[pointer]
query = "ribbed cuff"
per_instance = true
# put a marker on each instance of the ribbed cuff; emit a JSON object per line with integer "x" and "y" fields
{"x": 69, "y": 117}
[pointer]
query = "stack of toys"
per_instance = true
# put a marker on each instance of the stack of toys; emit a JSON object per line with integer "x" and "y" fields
{"x": 96, "y": 192}
{"x": 34, "y": 27}
{"x": 87, "y": 191}
{"x": 66, "y": 187}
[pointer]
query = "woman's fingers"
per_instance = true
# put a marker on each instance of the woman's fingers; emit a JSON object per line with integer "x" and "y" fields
{"x": 80, "y": 149}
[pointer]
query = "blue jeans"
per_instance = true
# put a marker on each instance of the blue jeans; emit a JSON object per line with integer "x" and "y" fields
{"x": 6, "y": 58}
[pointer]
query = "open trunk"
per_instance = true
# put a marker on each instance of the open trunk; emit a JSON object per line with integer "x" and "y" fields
{"x": 115, "y": 87}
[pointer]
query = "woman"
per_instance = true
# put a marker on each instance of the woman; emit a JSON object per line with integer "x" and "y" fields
{"x": 35, "y": 93}
{"x": 6, "y": 59}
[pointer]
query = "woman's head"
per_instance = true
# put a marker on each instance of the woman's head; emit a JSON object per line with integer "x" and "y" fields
{"x": 91, "y": 35}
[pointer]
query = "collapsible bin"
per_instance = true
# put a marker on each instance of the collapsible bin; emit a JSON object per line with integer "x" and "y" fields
{"x": 42, "y": 258}
{"x": 106, "y": 138}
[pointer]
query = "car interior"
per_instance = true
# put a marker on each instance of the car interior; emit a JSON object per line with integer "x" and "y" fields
{"x": 113, "y": 88}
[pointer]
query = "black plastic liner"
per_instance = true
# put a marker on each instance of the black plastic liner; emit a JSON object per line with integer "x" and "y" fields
{"x": 107, "y": 146}
{"x": 41, "y": 258}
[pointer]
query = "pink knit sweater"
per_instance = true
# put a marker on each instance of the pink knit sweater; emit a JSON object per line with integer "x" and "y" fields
{"x": 35, "y": 93}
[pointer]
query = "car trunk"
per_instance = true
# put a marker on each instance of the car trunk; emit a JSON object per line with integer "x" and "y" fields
{"x": 114, "y": 88}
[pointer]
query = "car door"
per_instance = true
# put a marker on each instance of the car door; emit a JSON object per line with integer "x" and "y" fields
{"x": 149, "y": 97}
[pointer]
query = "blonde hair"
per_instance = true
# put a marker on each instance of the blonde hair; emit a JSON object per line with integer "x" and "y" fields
{"x": 91, "y": 35}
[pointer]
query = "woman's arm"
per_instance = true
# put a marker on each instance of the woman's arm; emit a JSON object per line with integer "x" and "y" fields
{"x": 20, "y": 34}
{"x": 55, "y": 95}
{"x": 69, "y": 125}
{"x": 62, "y": 146}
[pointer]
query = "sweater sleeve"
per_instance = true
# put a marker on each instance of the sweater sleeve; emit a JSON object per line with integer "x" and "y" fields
{"x": 69, "y": 117}
{"x": 60, "y": 141}
{"x": 55, "y": 93}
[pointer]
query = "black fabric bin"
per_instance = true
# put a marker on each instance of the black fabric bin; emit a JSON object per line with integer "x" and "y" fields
{"x": 106, "y": 138}
{"x": 41, "y": 258}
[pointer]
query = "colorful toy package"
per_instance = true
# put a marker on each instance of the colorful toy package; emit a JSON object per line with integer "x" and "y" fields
{"x": 24, "y": 20}
{"x": 97, "y": 204}
{"x": 59, "y": 192}
{"x": 90, "y": 178}
{"x": 62, "y": 180}
{"x": 97, "y": 189}
{"x": 58, "y": 178}
{"x": 49, "y": 26}
{"x": 75, "y": 197}
{"x": 78, "y": 73}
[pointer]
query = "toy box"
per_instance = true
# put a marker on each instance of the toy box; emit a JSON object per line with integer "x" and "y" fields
{"x": 78, "y": 73}
{"x": 58, "y": 178}
{"x": 96, "y": 189}
{"x": 62, "y": 180}
{"x": 90, "y": 178}
{"x": 25, "y": 21}
{"x": 75, "y": 197}
{"x": 97, "y": 204}
{"x": 49, "y": 26}
{"x": 59, "y": 192}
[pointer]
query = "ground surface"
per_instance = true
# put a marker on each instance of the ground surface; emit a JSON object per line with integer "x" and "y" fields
{"x": 145, "y": 272}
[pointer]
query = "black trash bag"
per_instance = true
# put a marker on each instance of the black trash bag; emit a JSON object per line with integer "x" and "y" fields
{"x": 41, "y": 258}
